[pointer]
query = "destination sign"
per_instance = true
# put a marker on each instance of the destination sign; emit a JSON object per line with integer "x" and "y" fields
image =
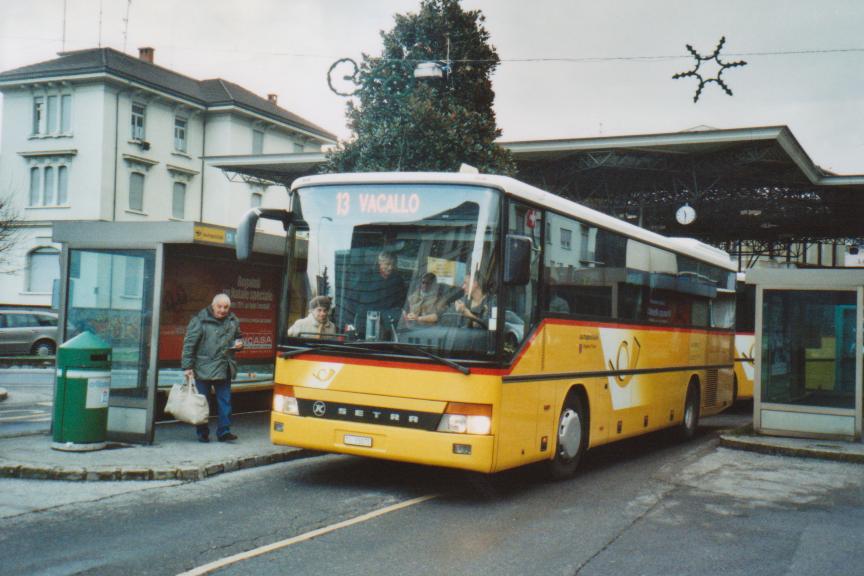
{"x": 377, "y": 203}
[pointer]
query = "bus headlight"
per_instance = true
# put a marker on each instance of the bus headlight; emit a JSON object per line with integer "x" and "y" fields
{"x": 459, "y": 418}
{"x": 284, "y": 401}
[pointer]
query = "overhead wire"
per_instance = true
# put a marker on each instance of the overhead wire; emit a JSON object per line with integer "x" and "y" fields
{"x": 517, "y": 60}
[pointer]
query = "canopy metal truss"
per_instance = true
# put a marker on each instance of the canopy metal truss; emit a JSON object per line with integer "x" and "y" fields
{"x": 269, "y": 169}
{"x": 249, "y": 178}
{"x": 756, "y": 192}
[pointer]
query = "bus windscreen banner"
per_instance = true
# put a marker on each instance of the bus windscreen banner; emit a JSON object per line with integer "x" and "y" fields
{"x": 190, "y": 284}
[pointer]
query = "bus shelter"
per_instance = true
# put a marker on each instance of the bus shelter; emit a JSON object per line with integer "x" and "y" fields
{"x": 809, "y": 357}
{"x": 137, "y": 285}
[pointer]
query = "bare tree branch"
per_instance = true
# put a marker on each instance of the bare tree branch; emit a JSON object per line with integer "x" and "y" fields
{"x": 10, "y": 222}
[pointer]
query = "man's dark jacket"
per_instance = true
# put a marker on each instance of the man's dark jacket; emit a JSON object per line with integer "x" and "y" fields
{"x": 206, "y": 347}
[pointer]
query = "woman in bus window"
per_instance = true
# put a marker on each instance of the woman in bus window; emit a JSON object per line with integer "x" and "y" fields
{"x": 475, "y": 306}
{"x": 317, "y": 324}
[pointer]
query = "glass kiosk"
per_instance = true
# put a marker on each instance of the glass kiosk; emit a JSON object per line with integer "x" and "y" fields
{"x": 809, "y": 357}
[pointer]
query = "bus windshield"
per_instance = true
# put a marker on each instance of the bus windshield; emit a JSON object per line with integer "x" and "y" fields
{"x": 407, "y": 264}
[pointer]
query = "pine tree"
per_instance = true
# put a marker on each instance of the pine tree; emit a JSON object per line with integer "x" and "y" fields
{"x": 435, "y": 124}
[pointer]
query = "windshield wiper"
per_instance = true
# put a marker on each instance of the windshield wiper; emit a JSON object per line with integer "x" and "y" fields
{"x": 371, "y": 347}
{"x": 315, "y": 346}
{"x": 419, "y": 349}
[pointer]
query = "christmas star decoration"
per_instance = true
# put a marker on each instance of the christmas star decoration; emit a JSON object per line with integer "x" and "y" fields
{"x": 703, "y": 81}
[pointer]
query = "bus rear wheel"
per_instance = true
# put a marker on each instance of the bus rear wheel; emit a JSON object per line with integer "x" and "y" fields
{"x": 571, "y": 440}
{"x": 691, "y": 411}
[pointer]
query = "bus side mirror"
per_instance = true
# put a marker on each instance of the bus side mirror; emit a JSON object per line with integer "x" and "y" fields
{"x": 517, "y": 260}
{"x": 246, "y": 228}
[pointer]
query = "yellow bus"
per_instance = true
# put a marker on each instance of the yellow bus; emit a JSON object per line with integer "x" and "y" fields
{"x": 745, "y": 340}
{"x": 548, "y": 328}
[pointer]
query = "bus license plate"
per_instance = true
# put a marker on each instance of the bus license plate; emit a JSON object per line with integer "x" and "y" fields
{"x": 353, "y": 440}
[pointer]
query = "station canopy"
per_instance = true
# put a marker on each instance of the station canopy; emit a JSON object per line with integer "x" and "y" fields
{"x": 751, "y": 185}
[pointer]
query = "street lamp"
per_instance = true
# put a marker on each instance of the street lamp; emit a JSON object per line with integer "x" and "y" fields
{"x": 318, "y": 242}
{"x": 434, "y": 69}
{"x": 429, "y": 70}
{"x": 343, "y": 75}
{"x": 320, "y": 277}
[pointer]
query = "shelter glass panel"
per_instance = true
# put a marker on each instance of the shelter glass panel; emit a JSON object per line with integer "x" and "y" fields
{"x": 808, "y": 347}
{"x": 102, "y": 301}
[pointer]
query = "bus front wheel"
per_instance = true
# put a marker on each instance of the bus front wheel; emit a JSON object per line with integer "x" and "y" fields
{"x": 571, "y": 440}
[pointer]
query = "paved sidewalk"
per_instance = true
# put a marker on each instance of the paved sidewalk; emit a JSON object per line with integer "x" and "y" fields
{"x": 839, "y": 450}
{"x": 175, "y": 454}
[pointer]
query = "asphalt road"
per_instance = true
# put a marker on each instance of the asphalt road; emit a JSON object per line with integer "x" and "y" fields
{"x": 648, "y": 506}
{"x": 27, "y": 409}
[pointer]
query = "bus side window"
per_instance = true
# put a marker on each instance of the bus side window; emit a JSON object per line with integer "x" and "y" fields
{"x": 580, "y": 263}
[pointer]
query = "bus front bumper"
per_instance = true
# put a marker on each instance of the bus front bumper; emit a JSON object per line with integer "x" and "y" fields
{"x": 465, "y": 451}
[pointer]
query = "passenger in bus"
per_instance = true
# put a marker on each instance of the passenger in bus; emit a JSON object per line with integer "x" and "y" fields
{"x": 557, "y": 303}
{"x": 389, "y": 287}
{"x": 475, "y": 307}
{"x": 427, "y": 302}
{"x": 382, "y": 291}
{"x": 556, "y": 299}
{"x": 317, "y": 324}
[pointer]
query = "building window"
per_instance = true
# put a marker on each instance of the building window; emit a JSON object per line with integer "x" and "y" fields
{"x": 43, "y": 267}
{"x": 49, "y": 186}
{"x": 180, "y": 134}
{"x": 257, "y": 142}
{"x": 38, "y": 111}
{"x": 65, "y": 113}
{"x": 132, "y": 277}
{"x": 62, "y": 185}
{"x": 566, "y": 238}
{"x": 51, "y": 118}
{"x": 178, "y": 203}
{"x": 584, "y": 242}
{"x": 136, "y": 191}
{"x": 52, "y": 114}
{"x": 138, "y": 114}
{"x": 255, "y": 200}
{"x": 35, "y": 186}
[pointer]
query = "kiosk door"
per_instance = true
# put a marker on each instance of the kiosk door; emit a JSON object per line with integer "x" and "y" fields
{"x": 110, "y": 293}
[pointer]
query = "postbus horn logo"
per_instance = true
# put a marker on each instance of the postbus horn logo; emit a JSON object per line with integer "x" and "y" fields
{"x": 626, "y": 359}
{"x": 324, "y": 374}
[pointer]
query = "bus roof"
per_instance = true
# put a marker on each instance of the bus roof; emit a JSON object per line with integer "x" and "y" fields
{"x": 515, "y": 188}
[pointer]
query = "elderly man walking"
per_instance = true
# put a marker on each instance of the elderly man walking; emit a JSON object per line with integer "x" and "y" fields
{"x": 212, "y": 337}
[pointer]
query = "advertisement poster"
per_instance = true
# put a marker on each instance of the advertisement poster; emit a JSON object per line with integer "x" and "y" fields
{"x": 190, "y": 284}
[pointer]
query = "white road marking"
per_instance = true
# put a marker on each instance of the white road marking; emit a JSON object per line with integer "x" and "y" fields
{"x": 34, "y": 416}
{"x": 217, "y": 564}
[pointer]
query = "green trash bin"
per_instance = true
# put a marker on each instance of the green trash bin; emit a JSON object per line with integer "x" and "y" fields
{"x": 81, "y": 395}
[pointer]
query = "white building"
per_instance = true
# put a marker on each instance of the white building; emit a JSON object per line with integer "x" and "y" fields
{"x": 100, "y": 135}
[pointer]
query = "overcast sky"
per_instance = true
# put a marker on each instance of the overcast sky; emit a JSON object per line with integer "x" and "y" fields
{"x": 571, "y": 68}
